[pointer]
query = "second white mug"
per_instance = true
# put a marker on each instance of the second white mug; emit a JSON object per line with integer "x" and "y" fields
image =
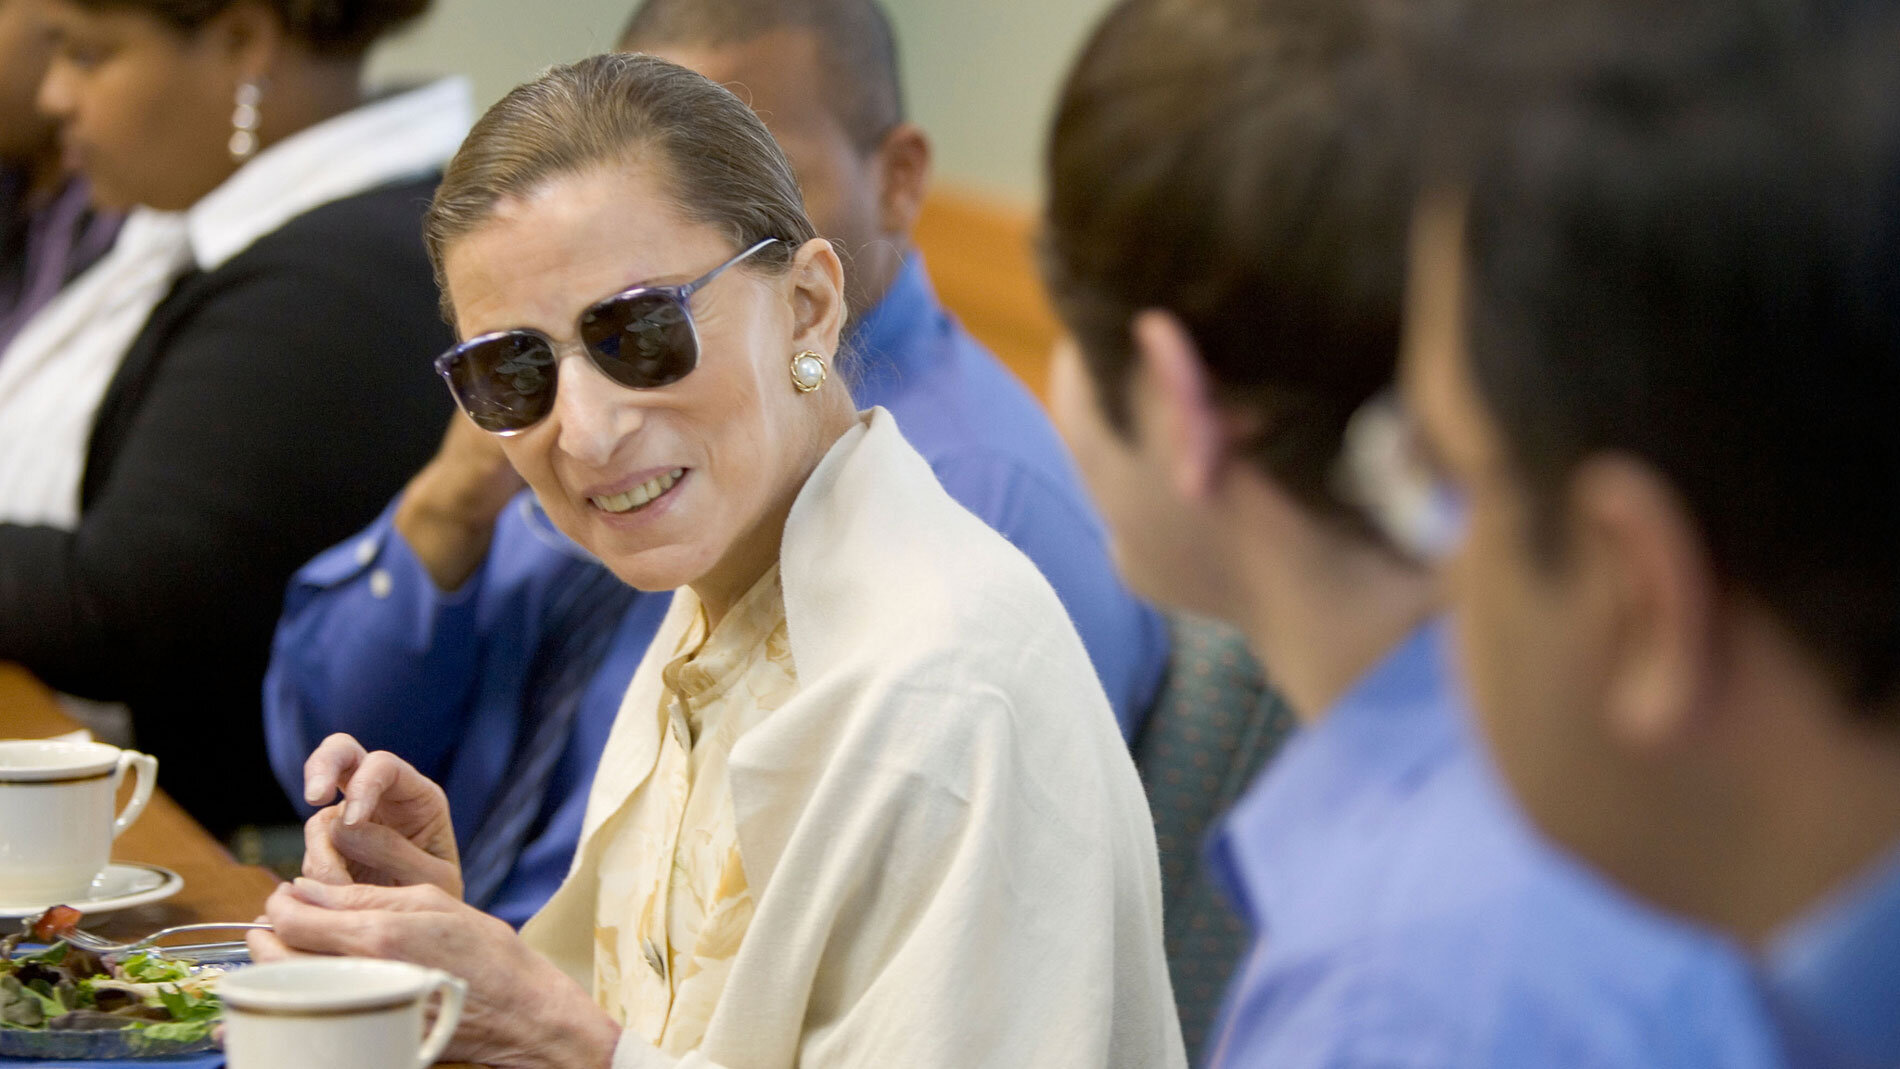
{"x": 324, "y": 1013}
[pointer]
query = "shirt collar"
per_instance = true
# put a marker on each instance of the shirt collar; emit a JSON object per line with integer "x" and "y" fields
{"x": 1397, "y": 717}
{"x": 408, "y": 133}
{"x": 888, "y": 337}
{"x": 1834, "y": 971}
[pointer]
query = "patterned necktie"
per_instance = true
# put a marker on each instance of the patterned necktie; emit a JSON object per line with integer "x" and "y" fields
{"x": 585, "y": 608}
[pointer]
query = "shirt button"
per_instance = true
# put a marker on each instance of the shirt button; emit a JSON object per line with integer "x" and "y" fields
{"x": 655, "y": 960}
{"x": 366, "y": 551}
{"x": 379, "y": 583}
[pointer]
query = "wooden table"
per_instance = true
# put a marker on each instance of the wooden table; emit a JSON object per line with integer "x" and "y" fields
{"x": 217, "y": 888}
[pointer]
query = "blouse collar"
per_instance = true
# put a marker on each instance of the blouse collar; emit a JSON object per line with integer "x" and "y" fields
{"x": 705, "y": 668}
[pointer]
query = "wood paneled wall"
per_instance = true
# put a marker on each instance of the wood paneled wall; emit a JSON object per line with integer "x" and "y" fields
{"x": 982, "y": 259}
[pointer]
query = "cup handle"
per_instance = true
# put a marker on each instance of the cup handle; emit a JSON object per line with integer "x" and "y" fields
{"x": 447, "y": 1016}
{"x": 145, "y": 767}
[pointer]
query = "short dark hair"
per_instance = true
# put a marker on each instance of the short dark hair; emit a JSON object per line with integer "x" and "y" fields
{"x": 1683, "y": 245}
{"x": 1247, "y": 165}
{"x": 720, "y": 165}
{"x": 333, "y": 27}
{"x": 854, "y": 38}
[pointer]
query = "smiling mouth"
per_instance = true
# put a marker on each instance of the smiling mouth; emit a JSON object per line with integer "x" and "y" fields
{"x": 640, "y": 496}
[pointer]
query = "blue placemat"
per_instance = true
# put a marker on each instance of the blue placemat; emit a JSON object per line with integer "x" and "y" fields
{"x": 211, "y": 1059}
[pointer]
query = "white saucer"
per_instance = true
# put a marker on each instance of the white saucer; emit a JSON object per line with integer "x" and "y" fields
{"x": 123, "y": 885}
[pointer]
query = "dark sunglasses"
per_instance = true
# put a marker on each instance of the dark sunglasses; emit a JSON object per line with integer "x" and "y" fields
{"x": 641, "y": 338}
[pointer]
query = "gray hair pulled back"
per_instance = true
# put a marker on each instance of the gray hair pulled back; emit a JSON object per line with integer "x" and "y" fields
{"x": 720, "y": 165}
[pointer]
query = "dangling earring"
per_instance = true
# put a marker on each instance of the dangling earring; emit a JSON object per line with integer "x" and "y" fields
{"x": 808, "y": 370}
{"x": 244, "y": 122}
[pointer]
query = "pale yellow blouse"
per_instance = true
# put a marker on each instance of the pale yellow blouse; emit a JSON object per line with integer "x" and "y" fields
{"x": 673, "y": 902}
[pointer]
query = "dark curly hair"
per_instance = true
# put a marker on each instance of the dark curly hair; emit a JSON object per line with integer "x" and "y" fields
{"x": 334, "y": 27}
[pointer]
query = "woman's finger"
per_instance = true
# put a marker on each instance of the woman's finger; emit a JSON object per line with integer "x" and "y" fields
{"x": 376, "y": 853}
{"x": 329, "y": 766}
{"x": 265, "y": 946}
{"x": 302, "y": 926}
{"x": 421, "y": 924}
{"x": 378, "y": 774}
{"x": 359, "y": 897}
{"x": 321, "y": 858}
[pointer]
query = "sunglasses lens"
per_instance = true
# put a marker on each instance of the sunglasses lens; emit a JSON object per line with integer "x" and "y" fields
{"x": 642, "y": 340}
{"x": 504, "y": 383}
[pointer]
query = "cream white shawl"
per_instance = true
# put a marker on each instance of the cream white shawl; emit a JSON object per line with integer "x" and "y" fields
{"x": 952, "y": 855}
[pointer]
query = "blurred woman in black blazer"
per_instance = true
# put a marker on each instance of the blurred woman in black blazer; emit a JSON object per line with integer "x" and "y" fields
{"x": 244, "y": 382}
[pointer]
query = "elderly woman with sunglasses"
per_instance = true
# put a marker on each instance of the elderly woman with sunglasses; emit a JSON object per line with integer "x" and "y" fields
{"x": 865, "y": 803}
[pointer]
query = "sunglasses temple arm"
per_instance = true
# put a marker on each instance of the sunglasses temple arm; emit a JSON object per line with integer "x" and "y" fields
{"x": 699, "y": 283}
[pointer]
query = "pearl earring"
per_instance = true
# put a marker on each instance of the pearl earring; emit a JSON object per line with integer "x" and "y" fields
{"x": 243, "y": 143}
{"x": 808, "y": 370}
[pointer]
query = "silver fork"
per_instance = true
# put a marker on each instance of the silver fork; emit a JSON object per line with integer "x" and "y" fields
{"x": 88, "y": 941}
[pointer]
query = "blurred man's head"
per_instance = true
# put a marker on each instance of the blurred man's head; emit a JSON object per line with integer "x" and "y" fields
{"x": 823, "y": 75}
{"x": 1655, "y": 343}
{"x": 1229, "y": 188}
{"x": 26, "y": 136}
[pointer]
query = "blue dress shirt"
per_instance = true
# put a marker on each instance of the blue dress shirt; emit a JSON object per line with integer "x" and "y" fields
{"x": 367, "y": 644}
{"x": 1405, "y": 916}
{"x": 1834, "y": 977}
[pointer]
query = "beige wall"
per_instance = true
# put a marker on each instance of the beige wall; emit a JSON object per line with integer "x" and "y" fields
{"x": 981, "y": 75}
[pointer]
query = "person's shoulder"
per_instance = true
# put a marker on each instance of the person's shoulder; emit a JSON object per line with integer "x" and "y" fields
{"x": 1491, "y": 985}
{"x": 397, "y": 205}
{"x": 960, "y": 401}
{"x": 357, "y": 262}
{"x": 933, "y": 561}
{"x": 991, "y": 445}
{"x": 359, "y": 236}
{"x": 885, "y": 574}
{"x": 1575, "y": 966}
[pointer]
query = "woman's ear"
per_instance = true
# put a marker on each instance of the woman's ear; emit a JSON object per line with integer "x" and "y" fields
{"x": 249, "y": 37}
{"x": 816, "y": 292}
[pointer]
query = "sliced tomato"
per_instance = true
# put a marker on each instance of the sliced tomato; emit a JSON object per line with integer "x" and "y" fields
{"x": 55, "y": 923}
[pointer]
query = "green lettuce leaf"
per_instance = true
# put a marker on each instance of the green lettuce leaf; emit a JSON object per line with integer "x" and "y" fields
{"x": 175, "y": 1031}
{"x": 148, "y": 968}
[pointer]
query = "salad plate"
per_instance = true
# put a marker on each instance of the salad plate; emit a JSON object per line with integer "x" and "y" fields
{"x": 61, "y": 1002}
{"x": 123, "y": 885}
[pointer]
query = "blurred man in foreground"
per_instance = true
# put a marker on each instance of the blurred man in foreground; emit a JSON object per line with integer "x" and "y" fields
{"x": 1230, "y": 188}
{"x": 1653, "y": 349}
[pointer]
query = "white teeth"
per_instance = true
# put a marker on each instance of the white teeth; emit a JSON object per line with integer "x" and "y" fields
{"x": 639, "y": 495}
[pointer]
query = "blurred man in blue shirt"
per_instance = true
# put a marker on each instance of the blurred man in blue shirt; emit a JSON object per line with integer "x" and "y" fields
{"x": 1657, "y": 357}
{"x": 464, "y": 633}
{"x": 1231, "y": 184}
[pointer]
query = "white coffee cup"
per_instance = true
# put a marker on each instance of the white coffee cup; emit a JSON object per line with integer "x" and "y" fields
{"x": 56, "y": 815}
{"x": 322, "y": 1013}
